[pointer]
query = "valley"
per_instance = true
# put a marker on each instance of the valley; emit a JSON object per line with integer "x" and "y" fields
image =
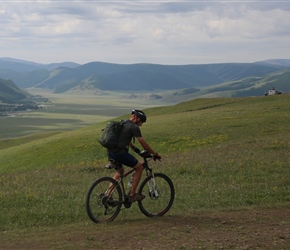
{"x": 69, "y": 111}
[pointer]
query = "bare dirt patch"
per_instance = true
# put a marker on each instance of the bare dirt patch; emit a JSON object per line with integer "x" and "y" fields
{"x": 254, "y": 229}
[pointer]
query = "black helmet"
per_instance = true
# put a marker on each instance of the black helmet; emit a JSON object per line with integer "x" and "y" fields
{"x": 139, "y": 114}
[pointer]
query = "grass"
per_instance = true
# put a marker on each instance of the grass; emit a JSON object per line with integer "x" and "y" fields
{"x": 221, "y": 154}
{"x": 68, "y": 112}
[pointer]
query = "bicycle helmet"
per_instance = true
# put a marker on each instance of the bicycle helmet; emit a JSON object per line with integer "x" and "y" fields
{"x": 139, "y": 114}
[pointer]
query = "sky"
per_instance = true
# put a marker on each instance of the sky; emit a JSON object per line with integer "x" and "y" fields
{"x": 160, "y": 32}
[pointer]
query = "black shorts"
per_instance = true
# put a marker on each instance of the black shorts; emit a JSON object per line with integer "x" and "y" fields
{"x": 124, "y": 159}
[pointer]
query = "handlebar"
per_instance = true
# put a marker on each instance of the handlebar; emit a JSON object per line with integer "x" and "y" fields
{"x": 145, "y": 155}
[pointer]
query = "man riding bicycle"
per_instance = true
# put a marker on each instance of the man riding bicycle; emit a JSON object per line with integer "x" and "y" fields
{"x": 121, "y": 155}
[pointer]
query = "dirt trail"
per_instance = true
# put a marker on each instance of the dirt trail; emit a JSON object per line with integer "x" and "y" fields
{"x": 254, "y": 229}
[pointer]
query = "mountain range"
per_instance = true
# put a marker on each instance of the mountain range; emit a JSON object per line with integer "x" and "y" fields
{"x": 193, "y": 79}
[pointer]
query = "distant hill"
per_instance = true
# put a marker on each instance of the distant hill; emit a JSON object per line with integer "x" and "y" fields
{"x": 252, "y": 86}
{"x": 150, "y": 77}
{"x": 27, "y": 66}
{"x": 278, "y": 80}
{"x": 11, "y": 94}
{"x": 12, "y": 98}
{"x": 102, "y": 76}
{"x": 26, "y": 74}
{"x": 280, "y": 62}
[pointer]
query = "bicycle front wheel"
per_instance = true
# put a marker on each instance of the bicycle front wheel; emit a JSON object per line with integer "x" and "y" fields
{"x": 104, "y": 200}
{"x": 159, "y": 192}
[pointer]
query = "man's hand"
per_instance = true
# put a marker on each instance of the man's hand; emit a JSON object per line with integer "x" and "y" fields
{"x": 157, "y": 157}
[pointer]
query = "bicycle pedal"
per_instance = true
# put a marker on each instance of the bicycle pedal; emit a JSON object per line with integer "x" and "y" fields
{"x": 127, "y": 203}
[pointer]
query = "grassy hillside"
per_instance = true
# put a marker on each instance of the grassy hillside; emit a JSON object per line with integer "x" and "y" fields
{"x": 10, "y": 93}
{"x": 222, "y": 154}
{"x": 250, "y": 86}
{"x": 258, "y": 86}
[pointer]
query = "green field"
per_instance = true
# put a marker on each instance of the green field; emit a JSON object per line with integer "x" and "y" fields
{"x": 222, "y": 154}
{"x": 68, "y": 112}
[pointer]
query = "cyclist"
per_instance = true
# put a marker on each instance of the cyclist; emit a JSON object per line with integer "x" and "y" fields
{"x": 121, "y": 155}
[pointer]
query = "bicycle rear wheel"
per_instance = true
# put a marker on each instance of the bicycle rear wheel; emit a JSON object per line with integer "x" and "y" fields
{"x": 104, "y": 200}
{"x": 159, "y": 191}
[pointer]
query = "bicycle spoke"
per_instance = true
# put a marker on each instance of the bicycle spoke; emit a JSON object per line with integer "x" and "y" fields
{"x": 103, "y": 201}
{"x": 159, "y": 193}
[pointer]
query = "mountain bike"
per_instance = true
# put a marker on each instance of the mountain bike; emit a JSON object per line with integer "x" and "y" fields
{"x": 106, "y": 196}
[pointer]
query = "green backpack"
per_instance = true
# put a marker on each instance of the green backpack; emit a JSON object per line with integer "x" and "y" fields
{"x": 110, "y": 134}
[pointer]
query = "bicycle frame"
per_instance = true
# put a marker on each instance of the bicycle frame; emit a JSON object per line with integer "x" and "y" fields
{"x": 120, "y": 181}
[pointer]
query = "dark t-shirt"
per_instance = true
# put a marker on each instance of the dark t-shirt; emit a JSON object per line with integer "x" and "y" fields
{"x": 129, "y": 131}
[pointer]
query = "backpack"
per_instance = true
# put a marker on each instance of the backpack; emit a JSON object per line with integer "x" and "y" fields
{"x": 110, "y": 134}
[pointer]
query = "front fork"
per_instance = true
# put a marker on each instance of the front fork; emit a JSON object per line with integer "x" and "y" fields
{"x": 153, "y": 192}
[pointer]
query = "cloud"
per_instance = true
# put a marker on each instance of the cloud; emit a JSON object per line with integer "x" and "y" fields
{"x": 165, "y": 32}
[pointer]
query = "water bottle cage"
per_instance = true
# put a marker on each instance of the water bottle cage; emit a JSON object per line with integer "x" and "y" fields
{"x": 131, "y": 181}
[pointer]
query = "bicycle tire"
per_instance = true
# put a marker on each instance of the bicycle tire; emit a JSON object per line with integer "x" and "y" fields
{"x": 159, "y": 203}
{"x": 99, "y": 206}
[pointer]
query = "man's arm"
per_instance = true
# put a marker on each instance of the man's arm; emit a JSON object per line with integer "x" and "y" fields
{"x": 146, "y": 146}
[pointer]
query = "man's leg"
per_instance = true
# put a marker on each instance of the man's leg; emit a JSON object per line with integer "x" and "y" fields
{"x": 117, "y": 174}
{"x": 130, "y": 161}
{"x": 137, "y": 176}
